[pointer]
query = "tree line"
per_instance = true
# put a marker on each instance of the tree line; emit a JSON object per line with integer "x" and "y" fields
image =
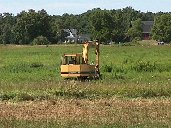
{"x": 121, "y": 25}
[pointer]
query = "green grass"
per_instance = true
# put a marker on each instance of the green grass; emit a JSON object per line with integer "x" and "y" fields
{"x": 144, "y": 70}
{"x": 79, "y": 90}
{"x": 127, "y": 64}
{"x": 32, "y": 73}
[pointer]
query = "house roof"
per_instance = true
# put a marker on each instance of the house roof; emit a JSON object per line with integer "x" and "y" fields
{"x": 73, "y": 31}
{"x": 147, "y": 25}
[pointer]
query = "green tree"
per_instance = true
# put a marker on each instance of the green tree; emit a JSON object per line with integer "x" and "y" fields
{"x": 32, "y": 24}
{"x": 136, "y": 30}
{"x": 40, "y": 40}
{"x": 102, "y": 25}
{"x": 122, "y": 19}
{"x": 162, "y": 28}
{"x": 56, "y": 27}
{"x": 7, "y": 22}
{"x": 120, "y": 27}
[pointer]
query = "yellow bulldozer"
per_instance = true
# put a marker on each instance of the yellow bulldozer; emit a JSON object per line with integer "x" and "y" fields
{"x": 77, "y": 65}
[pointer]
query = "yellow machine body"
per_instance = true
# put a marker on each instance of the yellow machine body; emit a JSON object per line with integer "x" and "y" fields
{"x": 82, "y": 70}
{"x": 76, "y": 65}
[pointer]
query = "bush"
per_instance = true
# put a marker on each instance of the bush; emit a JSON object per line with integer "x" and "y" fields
{"x": 144, "y": 66}
{"x": 36, "y": 65}
{"x": 40, "y": 40}
{"x": 25, "y": 97}
{"x": 7, "y": 96}
{"x": 136, "y": 39}
{"x": 107, "y": 68}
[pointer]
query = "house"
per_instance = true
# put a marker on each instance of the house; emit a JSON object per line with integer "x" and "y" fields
{"x": 74, "y": 37}
{"x": 146, "y": 27}
{"x": 84, "y": 37}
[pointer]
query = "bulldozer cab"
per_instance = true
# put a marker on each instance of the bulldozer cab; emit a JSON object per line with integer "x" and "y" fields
{"x": 75, "y": 59}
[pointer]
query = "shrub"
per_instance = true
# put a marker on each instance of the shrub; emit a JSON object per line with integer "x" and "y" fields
{"x": 144, "y": 66}
{"x": 25, "y": 97}
{"x": 36, "y": 65}
{"x": 107, "y": 68}
{"x": 119, "y": 76}
{"x": 7, "y": 96}
{"x": 40, "y": 40}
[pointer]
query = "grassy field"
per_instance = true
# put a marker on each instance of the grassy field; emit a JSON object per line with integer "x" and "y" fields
{"x": 134, "y": 91}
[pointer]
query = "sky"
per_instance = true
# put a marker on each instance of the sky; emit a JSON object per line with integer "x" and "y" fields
{"x": 59, "y": 7}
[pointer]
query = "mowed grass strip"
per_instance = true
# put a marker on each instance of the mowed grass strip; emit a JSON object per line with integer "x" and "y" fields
{"x": 97, "y": 112}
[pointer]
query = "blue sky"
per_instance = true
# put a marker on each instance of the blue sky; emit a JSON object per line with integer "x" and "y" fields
{"x": 59, "y": 7}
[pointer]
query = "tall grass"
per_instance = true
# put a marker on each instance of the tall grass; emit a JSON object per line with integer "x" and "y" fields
{"x": 125, "y": 67}
{"x": 118, "y": 64}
